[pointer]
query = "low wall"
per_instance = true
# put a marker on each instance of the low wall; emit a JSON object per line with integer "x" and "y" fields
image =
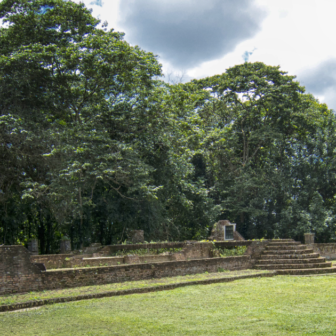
{"x": 327, "y": 251}
{"x": 103, "y": 275}
{"x": 110, "y": 249}
{"x": 233, "y": 243}
{"x": 190, "y": 251}
{"x": 18, "y": 274}
{"x": 51, "y": 260}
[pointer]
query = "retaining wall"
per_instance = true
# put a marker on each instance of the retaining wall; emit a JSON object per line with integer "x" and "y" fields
{"x": 190, "y": 251}
{"x": 325, "y": 250}
{"x": 18, "y": 274}
{"x": 102, "y": 275}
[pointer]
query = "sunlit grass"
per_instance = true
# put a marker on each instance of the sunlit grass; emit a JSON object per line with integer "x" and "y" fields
{"x": 281, "y": 305}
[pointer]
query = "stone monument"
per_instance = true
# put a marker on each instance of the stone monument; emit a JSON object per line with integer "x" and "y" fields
{"x": 225, "y": 230}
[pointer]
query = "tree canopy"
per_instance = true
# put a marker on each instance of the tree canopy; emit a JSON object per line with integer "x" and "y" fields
{"x": 94, "y": 142}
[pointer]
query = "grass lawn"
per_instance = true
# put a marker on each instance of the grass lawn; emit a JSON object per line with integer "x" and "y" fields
{"x": 282, "y": 305}
{"x": 70, "y": 292}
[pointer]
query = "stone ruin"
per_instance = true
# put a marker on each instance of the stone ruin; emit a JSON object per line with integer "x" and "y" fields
{"x": 21, "y": 271}
{"x": 225, "y": 230}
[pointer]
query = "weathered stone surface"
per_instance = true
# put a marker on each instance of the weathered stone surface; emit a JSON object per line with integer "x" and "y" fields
{"x": 52, "y": 260}
{"x": 238, "y": 236}
{"x": 132, "y": 259}
{"x": 110, "y": 249}
{"x": 217, "y": 232}
{"x": 294, "y": 257}
{"x": 102, "y": 275}
{"x": 309, "y": 238}
{"x": 325, "y": 250}
{"x": 18, "y": 274}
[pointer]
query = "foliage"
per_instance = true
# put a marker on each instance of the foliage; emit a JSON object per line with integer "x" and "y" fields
{"x": 90, "y": 138}
{"x": 93, "y": 143}
{"x": 229, "y": 252}
{"x": 267, "y": 152}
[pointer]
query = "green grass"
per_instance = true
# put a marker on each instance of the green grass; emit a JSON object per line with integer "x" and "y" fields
{"x": 281, "y": 305}
{"x": 19, "y": 298}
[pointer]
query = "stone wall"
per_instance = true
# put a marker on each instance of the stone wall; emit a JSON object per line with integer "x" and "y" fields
{"x": 325, "y": 250}
{"x": 237, "y": 236}
{"x": 103, "y": 275}
{"x": 254, "y": 247}
{"x": 51, "y": 260}
{"x": 18, "y": 274}
{"x": 110, "y": 249}
{"x": 192, "y": 250}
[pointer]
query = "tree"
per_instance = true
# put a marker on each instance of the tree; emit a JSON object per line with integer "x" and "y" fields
{"x": 85, "y": 112}
{"x": 258, "y": 122}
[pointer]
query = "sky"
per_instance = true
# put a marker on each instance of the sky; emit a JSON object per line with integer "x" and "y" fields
{"x": 201, "y": 38}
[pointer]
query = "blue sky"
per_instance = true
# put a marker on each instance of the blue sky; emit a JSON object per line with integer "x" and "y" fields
{"x": 200, "y": 38}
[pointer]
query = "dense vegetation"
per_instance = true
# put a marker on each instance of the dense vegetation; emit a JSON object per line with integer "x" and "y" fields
{"x": 94, "y": 142}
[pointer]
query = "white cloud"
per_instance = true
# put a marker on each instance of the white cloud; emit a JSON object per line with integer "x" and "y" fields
{"x": 298, "y": 35}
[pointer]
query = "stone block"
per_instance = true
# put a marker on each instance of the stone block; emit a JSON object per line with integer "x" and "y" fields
{"x": 309, "y": 238}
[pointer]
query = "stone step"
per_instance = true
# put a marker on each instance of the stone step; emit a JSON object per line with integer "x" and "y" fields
{"x": 307, "y": 271}
{"x": 293, "y": 266}
{"x": 291, "y": 261}
{"x": 285, "y": 247}
{"x": 276, "y": 252}
{"x": 289, "y": 256}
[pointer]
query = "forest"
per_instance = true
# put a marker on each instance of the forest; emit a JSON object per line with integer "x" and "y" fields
{"x": 94, "y": 142}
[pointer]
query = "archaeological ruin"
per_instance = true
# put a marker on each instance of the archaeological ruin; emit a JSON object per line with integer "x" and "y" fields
{"x": 22, "y": 270}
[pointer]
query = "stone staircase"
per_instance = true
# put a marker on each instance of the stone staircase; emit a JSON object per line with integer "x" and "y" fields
{"x": 287, "y": 256}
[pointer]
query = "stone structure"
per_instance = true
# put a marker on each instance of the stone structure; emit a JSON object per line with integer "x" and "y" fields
{"x": 309, "y": 238}
{"x": 136, "y": 236}
{"x": 287, "y": 256}
{"x": 131, "y": 259}
{"x": 65, "y": 245}
{"x": 21, "y": 272}
{"x": 327, "y": 251}
{"x": 33, "y": 246}
{"x": 189, "y": 251}
{"x": 18, "y": 274}
{"x": 219, "y": 231}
